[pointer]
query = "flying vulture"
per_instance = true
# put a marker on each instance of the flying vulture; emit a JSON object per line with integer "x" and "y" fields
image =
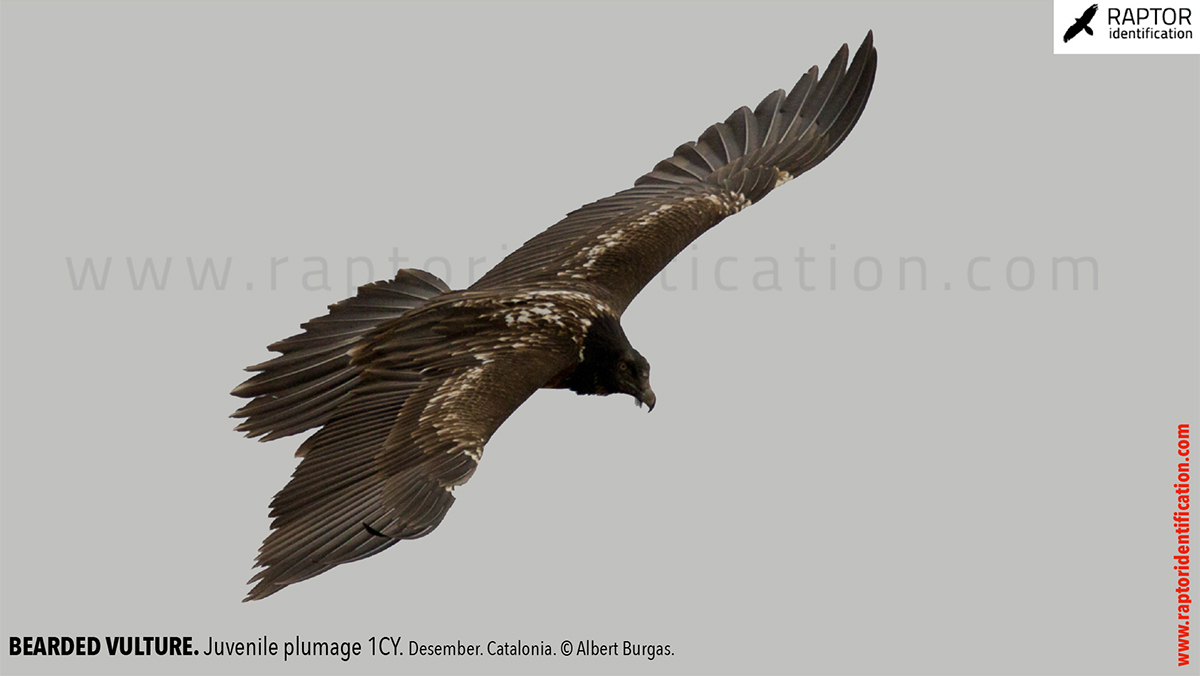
{"x": 408, "y": 379}
{"x": 1081, "y": 24}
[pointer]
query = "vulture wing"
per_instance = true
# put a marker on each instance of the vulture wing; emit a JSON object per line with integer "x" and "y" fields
{"x": 619, "y": 243}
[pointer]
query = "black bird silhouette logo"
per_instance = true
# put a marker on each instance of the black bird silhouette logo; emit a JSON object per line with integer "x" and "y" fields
{"x": 1081, "y": 24}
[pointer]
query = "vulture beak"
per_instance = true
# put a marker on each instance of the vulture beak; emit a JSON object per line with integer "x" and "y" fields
{"x": 646, "y": 396}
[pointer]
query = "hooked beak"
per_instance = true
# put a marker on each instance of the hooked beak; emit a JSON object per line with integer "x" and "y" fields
{"x": 646, "y": 396}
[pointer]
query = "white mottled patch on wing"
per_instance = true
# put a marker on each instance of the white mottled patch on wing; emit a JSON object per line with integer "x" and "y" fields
{"x": 728, "y": 206}
{"x": 588, "y": 257}
{"x": 453, "y": 388}
{"x": 545, "y": 316}
{"x": 583, "y": 264}
{"x": 442, "y": 411}
{"x": 607, "y": 241}
{"x": 473, "y": 452}
{"x": 784, "y": 177}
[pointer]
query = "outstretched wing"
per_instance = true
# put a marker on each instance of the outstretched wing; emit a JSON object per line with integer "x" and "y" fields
{"x": 621, "y": 242}
{"x": 430, "y": 391}
{"x": 1089, "y": 13}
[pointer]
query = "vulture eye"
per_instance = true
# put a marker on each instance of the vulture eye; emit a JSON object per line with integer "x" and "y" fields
{"x": 623, "y": 366}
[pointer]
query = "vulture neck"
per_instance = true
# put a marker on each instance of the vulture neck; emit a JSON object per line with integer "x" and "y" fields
{"x": 603, "y": 346}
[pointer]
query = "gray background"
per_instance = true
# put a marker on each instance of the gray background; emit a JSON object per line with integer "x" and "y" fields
{"x": 836, "y": 480}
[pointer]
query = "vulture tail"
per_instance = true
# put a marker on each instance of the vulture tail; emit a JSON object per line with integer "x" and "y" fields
{"x": 301, "y": 388}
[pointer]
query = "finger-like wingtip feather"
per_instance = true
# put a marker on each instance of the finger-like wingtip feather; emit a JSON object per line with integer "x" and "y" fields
{"x": 790, "y": 132}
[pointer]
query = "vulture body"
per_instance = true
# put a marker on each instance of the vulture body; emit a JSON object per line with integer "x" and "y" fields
{"x": 408, "y": 379}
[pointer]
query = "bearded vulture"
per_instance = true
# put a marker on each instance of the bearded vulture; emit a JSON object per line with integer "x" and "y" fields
{"x": 408, "y": 379}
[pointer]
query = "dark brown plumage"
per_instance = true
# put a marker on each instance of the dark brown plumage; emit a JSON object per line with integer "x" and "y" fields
{"x": 408, "y": 380}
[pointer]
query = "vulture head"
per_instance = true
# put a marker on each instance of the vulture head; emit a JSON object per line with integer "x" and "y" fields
{"x": 610, "y": 365}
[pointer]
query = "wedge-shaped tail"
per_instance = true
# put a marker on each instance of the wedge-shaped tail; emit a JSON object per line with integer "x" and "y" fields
{"x": 301, "y": 388}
